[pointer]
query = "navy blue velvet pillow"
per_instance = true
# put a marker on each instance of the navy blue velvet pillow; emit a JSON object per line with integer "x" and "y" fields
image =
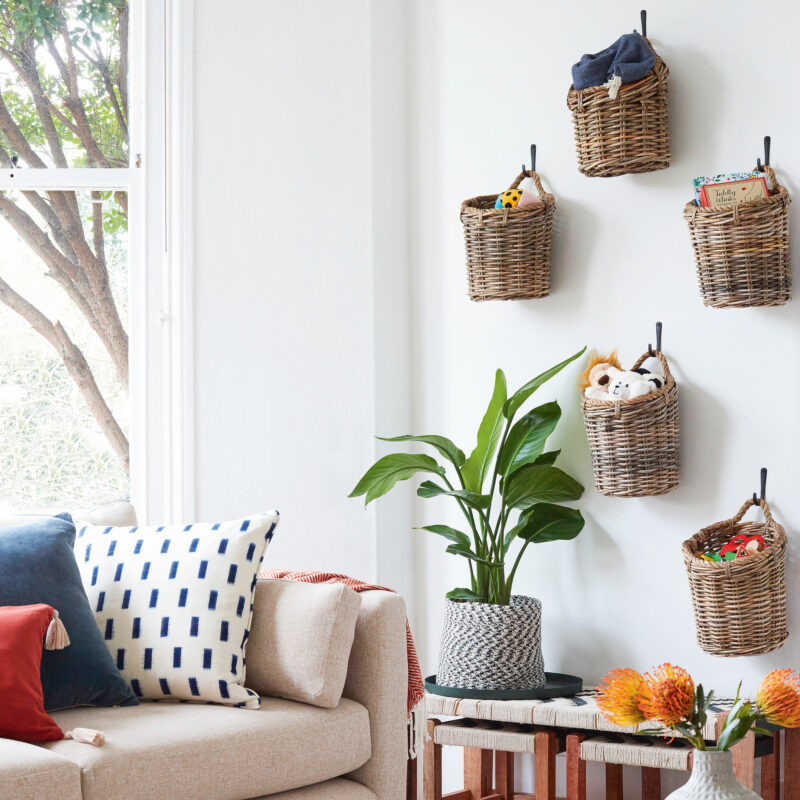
{"x": 37, "y": 565}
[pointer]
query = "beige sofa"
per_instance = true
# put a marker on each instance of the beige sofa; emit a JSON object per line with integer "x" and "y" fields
{"x": 287, "y": 750}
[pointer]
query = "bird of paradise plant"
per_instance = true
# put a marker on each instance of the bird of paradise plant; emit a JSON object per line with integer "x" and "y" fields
{"x": 667, "y": 696}
{"x": 522, "y": 480}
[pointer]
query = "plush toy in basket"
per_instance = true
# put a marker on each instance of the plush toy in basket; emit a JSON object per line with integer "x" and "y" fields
{"x": 631, "y": 419}
{"x": 508, "y": 237}
{"x": 737, "y": 578}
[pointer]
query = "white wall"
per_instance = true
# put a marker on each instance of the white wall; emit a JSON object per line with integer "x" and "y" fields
{"x": 287, "y": 392}
{"x": 486, "y": 81}
{"x": 322, "y": 321}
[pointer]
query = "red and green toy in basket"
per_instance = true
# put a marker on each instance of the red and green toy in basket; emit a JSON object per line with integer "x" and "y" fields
{"x": 740, "y": 546}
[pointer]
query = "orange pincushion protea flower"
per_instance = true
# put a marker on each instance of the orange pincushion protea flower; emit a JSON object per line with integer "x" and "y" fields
{"x": 618, "y": 697}
{"x": 667, "y": 695}
{"x": 778, "y": 698}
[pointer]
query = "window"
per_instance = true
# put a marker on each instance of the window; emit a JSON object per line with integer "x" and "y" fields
{"x": 91, "y": 292}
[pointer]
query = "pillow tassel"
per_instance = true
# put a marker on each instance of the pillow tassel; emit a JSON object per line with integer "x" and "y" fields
{"x": 57, "y": 637}
{"x": 87, "y": 736}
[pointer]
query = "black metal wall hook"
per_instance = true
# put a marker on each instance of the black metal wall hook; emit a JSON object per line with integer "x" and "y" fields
{"x": 659, "y": 326}
{"x": 756, "y": 501}
{"x": 533, "y": 161}
{"x": 767, "y": 146}
{"x": 643, "y": 15}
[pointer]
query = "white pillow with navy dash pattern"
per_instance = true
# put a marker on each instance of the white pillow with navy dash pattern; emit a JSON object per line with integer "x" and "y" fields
{"x": 174, "y": 603}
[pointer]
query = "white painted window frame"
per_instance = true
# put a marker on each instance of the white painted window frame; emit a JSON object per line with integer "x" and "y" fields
{"x": 160, "y": 208}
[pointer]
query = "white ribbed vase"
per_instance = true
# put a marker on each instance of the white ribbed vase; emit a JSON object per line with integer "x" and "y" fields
{"x": 713, "y": 779}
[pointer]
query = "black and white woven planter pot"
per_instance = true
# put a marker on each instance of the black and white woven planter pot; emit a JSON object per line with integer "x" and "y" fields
{"x": 492, "y": 647}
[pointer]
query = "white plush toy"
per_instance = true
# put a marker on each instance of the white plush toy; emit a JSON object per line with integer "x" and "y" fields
{"x": 634, "y": 383}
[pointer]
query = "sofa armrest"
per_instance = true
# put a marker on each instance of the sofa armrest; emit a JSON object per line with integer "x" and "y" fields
{"x": 377, "y": 677}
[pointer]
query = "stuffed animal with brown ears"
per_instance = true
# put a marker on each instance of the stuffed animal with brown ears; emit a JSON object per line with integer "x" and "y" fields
{"x": 595, "y": 379}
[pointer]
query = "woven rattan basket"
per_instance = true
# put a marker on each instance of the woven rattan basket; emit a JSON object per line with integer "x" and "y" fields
{"x": 635, "y": 443}
{"x": 742, "y": 251}
{"x": 508, "y": 249}
{"x": 739, "y": 606}
{"x": 627, "y": 134}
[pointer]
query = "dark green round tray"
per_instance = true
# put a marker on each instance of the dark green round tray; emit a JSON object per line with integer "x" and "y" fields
{"x": 558, "y": 685}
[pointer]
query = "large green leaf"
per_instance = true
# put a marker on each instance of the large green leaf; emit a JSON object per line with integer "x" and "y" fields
{"x": 548, "y": 458}
{"x": 465, "y": 594}
{"x": 473, "y": 499}
{"x": 387, "y": 471}
{"x": 537, "y": 483}
{"x": 477, "y": 465}
{"x": 460, "y": 550}
{"x": 546, "y": 522}
{"x": 451, "y": 534}
{"x": 513, "y": 403}
{"x": 441, "y": 443}
{"x": 525, "y": 441}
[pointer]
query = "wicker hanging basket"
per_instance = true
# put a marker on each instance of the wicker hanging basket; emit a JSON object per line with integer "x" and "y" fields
{"x": 625, "y": 135}
{"x": 742, "y": 251}
{"x": 739, "y": 606}
{"x": 508, "y": 249}
{"x": 635, "y": 443}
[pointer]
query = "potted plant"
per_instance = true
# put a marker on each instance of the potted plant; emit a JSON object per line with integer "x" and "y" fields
{"x": 668, "y": 696}
{"x": 508, "y": 491}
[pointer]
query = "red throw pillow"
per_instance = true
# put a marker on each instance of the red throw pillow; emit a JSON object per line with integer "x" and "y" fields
{"x": 22, "y": 633}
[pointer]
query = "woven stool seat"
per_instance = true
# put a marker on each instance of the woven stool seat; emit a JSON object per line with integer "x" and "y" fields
{"x": 506, "y": 736}
{"x": 637, "y": 751}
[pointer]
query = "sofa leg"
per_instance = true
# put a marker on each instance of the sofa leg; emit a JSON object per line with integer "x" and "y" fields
{"x": 432, "y": 765}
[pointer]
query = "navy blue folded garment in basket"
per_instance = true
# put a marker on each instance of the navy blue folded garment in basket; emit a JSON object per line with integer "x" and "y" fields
{"x": 630, "y": 58}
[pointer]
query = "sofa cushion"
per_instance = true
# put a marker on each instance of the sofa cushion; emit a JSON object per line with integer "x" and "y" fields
{"x": 37, "y": 565}
{"x": 28, "y": 772}
{"x": 300, "y": 640}
{"x": 185, "y": 751}
{"x": 174, "y": 603}
{"x": 120, "y": 512}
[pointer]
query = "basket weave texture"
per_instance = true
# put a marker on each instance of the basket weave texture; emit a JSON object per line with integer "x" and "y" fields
{"x": 635, "y": 443}
{"x": 508, "y": 249}
{"x": 625, "y": 135}
{"x": 739, "y": 606}
{"x": 742, "y": 251}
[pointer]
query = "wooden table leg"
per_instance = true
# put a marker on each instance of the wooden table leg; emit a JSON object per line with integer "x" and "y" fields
{"x": 411, "y": 779}
{"x": 546, "y": 747}
{"x": 477, "y": 771}
{"x": 791, "y": 763}
{"x": 576, "y": 768}
{"x": 744, "y": 760}
{"x": 613, "y": 781}
{"x": 771, "y": 770}
{"x": 651, "y": 783}
{"x": 432, "y": 765}
{"x": 504, "y": 774}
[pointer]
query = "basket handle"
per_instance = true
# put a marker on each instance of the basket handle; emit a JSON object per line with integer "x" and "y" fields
{"x": 762, "y": 503}
{"x": 660, "y": 356}
{"x": 536, "y": 180}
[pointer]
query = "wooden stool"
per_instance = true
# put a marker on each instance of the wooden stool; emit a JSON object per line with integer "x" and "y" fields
{"x": 486, "y": 745}
{"x": 653, "y": 754}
